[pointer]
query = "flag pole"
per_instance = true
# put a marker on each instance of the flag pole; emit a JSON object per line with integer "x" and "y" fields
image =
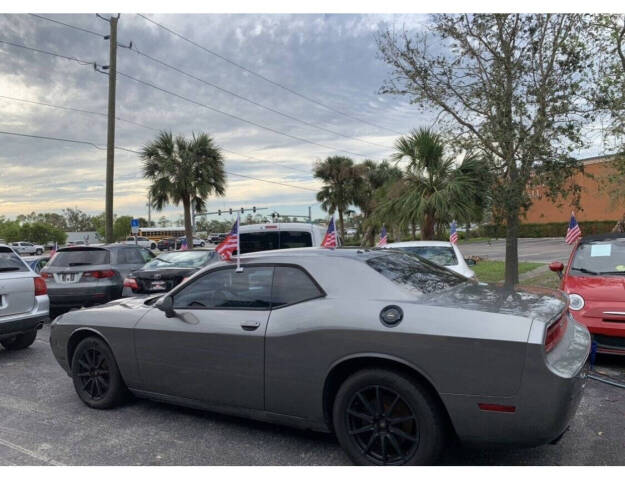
{"x": 239, "y": 269}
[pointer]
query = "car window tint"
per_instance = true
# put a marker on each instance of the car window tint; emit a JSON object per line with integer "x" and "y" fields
{"x": 227, "y": 288}
{"x": 293, "y": 285}
{"x": 10, "y": 262}
{"x": 134, "y": 255}
{"x": 295, "y": 239}
{"x": 80, "y": 256}
{"x": 440, "y": 255}
{"x": 259, "y": 241}
{"x": 146, "y": 256}
{"x": 414, "y": 273}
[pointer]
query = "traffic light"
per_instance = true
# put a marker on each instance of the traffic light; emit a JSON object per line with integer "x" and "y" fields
{"x": 242, "y": 210}
{"x": 254, "y": 209}
{"x": 230, "y": 211}
{"x": 218, "y": 212}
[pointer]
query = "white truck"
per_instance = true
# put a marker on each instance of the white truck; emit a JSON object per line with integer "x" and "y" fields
{"x": 142, "y": 242}
{"x": 27, "y": 248}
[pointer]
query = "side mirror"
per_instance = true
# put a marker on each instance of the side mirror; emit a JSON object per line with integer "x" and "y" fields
{"x": 167, "y": 306}
{"x": 470, "y": 262}
{"x": 557, "y": 267}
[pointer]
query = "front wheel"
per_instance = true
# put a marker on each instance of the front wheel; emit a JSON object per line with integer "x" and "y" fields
{"x": 385, "y": 418}
{"x": 202, "y": 244}
{"x": 21, "y": 341}
{"x": 96, "y": 377}
{"x": 39, "y": 251}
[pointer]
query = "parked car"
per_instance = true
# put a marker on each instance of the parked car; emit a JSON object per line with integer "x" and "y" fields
{"x": 445, "y": 254}
{"x": 167, "y": 270}
{"x": 388, "y": 351}
{"x": 90, "y": 275}
{"x": 594, "y": 280}
{"x": 166, "y": 244}
{"x": 197, "y": 242}
{"x": 37, "y": 262}
{"x": 23, "y": 301}
{"x": 27, "y": 248}
{"x": 144, "y": 242}
{"x": 217, "y": 237}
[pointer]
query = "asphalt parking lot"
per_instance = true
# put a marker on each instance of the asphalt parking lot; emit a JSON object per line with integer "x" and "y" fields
{"x": 541, "y": 250}
{"x": 42, "y": 422}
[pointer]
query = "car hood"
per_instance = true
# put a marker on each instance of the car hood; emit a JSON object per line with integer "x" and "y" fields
{"x": 604, "y": 288}
{"x": 534, "y": 303}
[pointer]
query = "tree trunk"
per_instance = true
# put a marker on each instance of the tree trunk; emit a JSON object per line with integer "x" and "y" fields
{"x": 397, "y": 232}
{"x": 427, "y": 228}
{"x": 512, "y": 250}
{"x": 341, "y": 226}
{"x": 413, "y": 230}
{"x": 188, "y": 230}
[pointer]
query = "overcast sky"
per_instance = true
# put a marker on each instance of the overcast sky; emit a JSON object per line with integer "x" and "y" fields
{"x": 331, "y": 58}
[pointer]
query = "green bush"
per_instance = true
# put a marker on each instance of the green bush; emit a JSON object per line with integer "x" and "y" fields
{"x": 541, "y": 230}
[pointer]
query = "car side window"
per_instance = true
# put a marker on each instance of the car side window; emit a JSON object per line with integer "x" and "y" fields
{"x": 293, "y": 285}
{"x": 228, "y": 289}
{"x": 146, "y": 255}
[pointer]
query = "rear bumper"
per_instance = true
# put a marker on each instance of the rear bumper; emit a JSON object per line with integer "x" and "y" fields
{"x": 549, "y": 396}
{"x": 23, "y": 322}
{"x": 64, "y": 297}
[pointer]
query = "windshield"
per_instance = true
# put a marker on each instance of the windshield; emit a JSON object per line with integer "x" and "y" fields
{"x": 78, "y": 257}
{"x": 600, "y": 257}
{"x": 10, "y": 262}
{"x": 415, "y": 274}
{"x": 186, "y": 259}
{"x": 440, "y": 255}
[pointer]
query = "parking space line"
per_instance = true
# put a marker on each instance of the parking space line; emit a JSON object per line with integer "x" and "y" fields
{"x": 30, "y": 453}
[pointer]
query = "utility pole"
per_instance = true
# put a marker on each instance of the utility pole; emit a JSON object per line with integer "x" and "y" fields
{"x": 110, "y": 140}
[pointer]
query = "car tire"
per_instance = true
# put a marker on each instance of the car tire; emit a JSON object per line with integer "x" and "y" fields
{"x": 153, "y": 246}
{"x": 39, "y": 251}
{"x": 202, "y": 244}
{"x": 21, "y": 341}
{"x": 382, "y": 417}
{"x": 96, "y": 376}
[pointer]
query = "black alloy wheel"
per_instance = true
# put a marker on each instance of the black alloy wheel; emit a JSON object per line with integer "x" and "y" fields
{"x": 383, "y": 425}
{"x": 96, "y": 376}
{"x": 386, "y": 417}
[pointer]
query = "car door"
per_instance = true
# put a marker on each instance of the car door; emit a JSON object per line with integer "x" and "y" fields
{"x": 213, "y": 349}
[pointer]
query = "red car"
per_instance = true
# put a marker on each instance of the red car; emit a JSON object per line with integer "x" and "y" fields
{"x": 594, "y": 279}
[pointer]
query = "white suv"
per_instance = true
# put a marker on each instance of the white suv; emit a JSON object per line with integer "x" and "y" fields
{"x": 144, "y": 242}
{"x": 27, "y": 248}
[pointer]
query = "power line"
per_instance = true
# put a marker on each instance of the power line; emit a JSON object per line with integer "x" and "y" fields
{"x": 260, "y": 105}
{"x": 256, "y": 74}
{"x": 74, "y": 59}
{"x": 241, "y": 119}
{"x": 73, "y": 109}
{"x": 101, "y": 35}
{"x": 82, "y": 142}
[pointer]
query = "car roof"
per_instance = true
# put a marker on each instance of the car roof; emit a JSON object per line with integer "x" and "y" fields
{"x": 261, "y": 227}
{"x": 419, "y": 243}
{"x": 314, "y": 253}
{"x": 603, "y": 236}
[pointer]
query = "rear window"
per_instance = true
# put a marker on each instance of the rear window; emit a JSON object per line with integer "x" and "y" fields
{"x": 186, "y": 259}
{"x": 440, "y": 255}
{"x": 10, "y": 262}
{"x": 415, "y": 274}
{"x": 295, "y": 239}
{"x": 259, "y": 241}
{"x": 78, "y": 257}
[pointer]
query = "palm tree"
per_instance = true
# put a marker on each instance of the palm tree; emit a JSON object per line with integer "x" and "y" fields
{"x": 340, "y": 180}
{"x": 183, "y": 171}
{"x": 434, "y": 190}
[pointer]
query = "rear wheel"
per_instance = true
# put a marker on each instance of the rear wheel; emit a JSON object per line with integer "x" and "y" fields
{"x": 18, "y": 342}
{"x": 385, "y": 418}
{"x": 96, "y": 377}
{"x": 39, "y": 251}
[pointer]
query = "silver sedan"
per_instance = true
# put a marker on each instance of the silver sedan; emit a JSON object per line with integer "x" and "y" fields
{"x": 393, "y": 354}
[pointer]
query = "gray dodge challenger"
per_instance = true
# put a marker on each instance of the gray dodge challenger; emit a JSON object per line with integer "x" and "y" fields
{"x": 392, "y": 353}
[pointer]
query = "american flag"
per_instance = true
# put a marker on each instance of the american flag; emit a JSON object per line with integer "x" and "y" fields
{"x": 231, "y": 242}
{"x": 183, "y": 243}
{"x": 573, "y": 232}
{"x": 329, "y": 241}
{"x": 453, "y": 234}
{"x": 383, "y": 237}
{"x": 54, "y": 249}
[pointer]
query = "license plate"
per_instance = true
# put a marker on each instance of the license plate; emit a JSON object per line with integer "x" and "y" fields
{"x": 159, "y": 285}
{"x": 68, "y": 277}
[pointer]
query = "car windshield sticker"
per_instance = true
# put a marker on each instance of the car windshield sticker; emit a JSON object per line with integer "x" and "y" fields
{"x": 620, "y": 268}
{"x": 601, "y": 250}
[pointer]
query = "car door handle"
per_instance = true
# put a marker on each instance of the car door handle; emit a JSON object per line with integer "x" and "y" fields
{"x": 250, "y": 325}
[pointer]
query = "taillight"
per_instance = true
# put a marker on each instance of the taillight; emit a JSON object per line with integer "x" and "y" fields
{"x": 99, "y": 274}
{"x": 132, "y": 283}
{"x": 40, "y": 286}
{"x": 555, "y": 332}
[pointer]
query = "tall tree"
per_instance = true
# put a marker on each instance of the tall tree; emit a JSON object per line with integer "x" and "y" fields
{"x": 183, "y": 171}
{"x": 341, "y": 181}
{"x": 510, "y": 86}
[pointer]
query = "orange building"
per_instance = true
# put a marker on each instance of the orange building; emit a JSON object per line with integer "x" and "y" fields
{"x": 595, "y": 201}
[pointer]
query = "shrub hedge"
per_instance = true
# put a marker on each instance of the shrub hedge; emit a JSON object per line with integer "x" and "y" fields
{"x": 540, "y": 230}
